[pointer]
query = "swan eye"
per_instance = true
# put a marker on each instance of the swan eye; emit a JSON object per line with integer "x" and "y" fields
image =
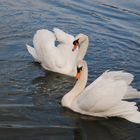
{"x": 76, "y": 42}
{"x": 79, "y": 69}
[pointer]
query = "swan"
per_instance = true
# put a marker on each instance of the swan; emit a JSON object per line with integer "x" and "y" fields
{"x": 64, "y": 57}
{"x": 105, "y": 97}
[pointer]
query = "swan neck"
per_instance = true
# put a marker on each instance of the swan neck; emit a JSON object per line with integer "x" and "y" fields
{"x": 68, "y": 99}
{"x": 83, "y": 49}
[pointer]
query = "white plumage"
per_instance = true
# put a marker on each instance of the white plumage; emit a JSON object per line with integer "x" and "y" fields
{"x": 58, "y": 58}
{"x": 104, "y": 97}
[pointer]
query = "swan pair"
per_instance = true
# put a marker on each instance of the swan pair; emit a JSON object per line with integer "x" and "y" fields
{"x": 105, "y": 97}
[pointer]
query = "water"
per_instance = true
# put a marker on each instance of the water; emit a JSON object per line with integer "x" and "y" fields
{"x": 30, "y": 96}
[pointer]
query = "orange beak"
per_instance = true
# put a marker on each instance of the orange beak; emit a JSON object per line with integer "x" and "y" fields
{"x": 78, "y": 75}
{"x": 74, "y": 47}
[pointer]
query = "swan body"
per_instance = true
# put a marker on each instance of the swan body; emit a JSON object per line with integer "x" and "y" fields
{"x": 58, "y": 58}
{"x": 104, "y": 97}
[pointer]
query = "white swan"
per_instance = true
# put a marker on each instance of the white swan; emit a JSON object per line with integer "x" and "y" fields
{"x": 104, "y": 97}
{"x": 59, "y": 59}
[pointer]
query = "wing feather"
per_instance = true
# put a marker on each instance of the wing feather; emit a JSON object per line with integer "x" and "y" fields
{"x": 102, "y": 94}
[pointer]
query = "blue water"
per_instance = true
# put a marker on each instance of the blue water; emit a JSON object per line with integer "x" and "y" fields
{"x": 30, "y": 96}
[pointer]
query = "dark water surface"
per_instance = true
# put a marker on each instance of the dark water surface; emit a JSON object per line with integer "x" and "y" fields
{"x": 30, "y": 96}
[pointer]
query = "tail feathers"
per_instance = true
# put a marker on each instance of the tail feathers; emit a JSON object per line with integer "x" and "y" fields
{"x": 31, "y": 50}
{"x": 126, "y": 110}
{"x": 135, "y": 117}
{"x": 132, "y": 93}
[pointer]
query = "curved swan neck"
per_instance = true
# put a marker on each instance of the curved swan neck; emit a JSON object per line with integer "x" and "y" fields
{"x": 83, "y": 47}
{"x": 77, "y": 89}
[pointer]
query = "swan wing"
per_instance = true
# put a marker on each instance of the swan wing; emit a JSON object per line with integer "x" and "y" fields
{"x": 123, "y": 76}
{"x": 49, "y": 55}
{"x": 102, "y": 94}
{"x": 128, "y": 78}
{"x": 42, "y": 40}
{"x": 63, "y": 36}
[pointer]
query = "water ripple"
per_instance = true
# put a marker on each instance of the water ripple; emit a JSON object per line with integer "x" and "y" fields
{"x": 30, "y": 96}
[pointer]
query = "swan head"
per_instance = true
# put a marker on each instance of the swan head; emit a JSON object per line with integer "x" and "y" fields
{"x": 75, "y": 44}
{"x": 79, "y": 39}
{"x": 79, "y": 69}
